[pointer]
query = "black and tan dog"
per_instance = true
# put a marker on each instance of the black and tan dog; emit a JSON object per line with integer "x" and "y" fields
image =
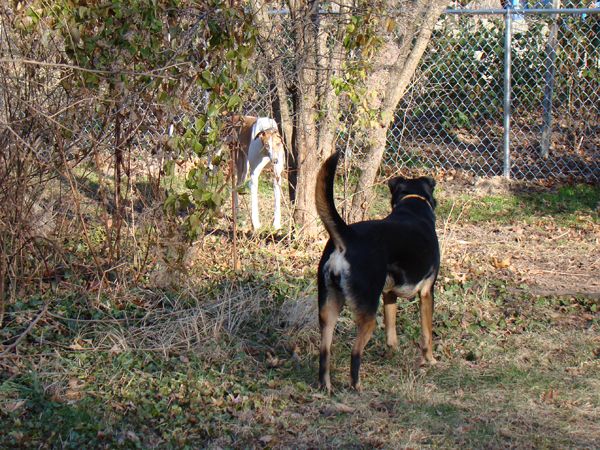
{"x": 396, "y": 256}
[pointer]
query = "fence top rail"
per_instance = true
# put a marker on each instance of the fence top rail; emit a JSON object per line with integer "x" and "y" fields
{"x": 521, "y": 11}
{"x": 496, "y": 11}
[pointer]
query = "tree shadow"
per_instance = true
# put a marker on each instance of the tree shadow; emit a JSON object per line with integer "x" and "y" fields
{"x": 145, "y": 195}
{"x": 562, "y": 200}
{"x": 482, "y": 154}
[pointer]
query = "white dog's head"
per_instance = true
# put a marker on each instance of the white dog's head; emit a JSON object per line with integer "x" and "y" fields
{"x": 272, "y": 144}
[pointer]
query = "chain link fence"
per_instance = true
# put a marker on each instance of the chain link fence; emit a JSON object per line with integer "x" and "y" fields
{"x": 454, "y": 115}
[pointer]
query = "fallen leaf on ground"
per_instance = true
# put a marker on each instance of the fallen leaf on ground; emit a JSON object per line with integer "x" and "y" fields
{"x": 337, "y": 408}
{"x": 549, "y": 396}
{"x": 76, "y": 346}
{"x": 273, "y": 361}
{"x": 501, "y": 263}
{"x": 266, "y": 439}
{"x": 13, "y": 406}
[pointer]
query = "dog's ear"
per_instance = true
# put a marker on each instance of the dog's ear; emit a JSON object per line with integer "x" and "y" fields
{"x": 430, "y": 181}
{"x": 391, "y": 184}
{"x": 394, "y": 182}
{"x": 262, "y": 135}
{"x": 429, "y": 185}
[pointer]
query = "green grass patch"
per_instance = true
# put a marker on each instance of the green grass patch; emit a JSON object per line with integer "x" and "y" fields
{"x": 567, "y": 204}
{"x": 230, "y": 360}
{"x": 133, "y": 400}
{"x": 513, "y": 369}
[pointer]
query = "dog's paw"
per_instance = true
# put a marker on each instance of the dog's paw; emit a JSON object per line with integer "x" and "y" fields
{"x": 425, "y": 361}
{"x": 326, "y": 388}
{"x": 392, "y": 344}
{"x": 390, "y": 352}
{"x": 356, "y": 386}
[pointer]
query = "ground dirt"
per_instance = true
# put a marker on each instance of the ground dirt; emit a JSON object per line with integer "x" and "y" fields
{"x": 200, "y": 356}
{"x": 548, "y": 257}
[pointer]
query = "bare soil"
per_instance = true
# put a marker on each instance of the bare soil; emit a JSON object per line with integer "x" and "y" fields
{"x": 547, "y": 257}
{"x": 549, "y": 260}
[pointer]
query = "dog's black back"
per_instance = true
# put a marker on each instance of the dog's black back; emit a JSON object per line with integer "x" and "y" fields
{"x": 398, "y": 255}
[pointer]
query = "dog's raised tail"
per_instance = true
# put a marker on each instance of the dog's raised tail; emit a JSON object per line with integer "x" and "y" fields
{"x": 334, "y": 224}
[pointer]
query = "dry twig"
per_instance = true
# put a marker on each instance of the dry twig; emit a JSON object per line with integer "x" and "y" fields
{"x": 30, "y": 327}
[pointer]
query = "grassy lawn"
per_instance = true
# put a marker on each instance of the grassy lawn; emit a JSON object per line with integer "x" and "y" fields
{"x": 224, "y": 360}
{"x": 563, "y": 205}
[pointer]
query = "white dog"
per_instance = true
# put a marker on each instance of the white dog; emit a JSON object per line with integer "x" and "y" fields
{"x": 256, "y": 143}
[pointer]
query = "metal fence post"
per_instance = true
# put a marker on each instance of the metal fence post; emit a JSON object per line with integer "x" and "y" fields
{"x": 507, "y": 88}
{"x": 472, "y": 107}
{"x": 549, "y": 75}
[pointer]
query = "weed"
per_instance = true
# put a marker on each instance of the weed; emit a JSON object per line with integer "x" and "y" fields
{"x": 229, "y": 359}
{"x": 565, "y": 205}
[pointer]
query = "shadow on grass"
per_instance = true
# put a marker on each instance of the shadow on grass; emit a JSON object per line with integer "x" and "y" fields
{"x": 457, "y": 406}
{"x": 517, "y": 202}
{"x": 146, "y": 194}
{"x": 566, "y": 200}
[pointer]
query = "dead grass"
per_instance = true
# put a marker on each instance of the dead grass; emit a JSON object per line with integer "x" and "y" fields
{"x": 188, "y": 322}
{"x": 228, "y": 360}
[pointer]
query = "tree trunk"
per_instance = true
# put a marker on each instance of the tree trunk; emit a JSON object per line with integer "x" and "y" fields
{"x": 306, "y": 27}
{"x": 376, "y": 141}
{"x": 400, "y": 65}
{"x": 319, "y": 53}
{"x": 330, "y": 59}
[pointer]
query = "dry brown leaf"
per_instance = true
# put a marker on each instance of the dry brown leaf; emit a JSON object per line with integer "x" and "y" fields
{"x": 73, "y": 395}
{"x": 549, "y": 396}
{"x": 74, "y": 387}
{"x": 76, "y": 383}
{"x": 132, "y": 436}
{"x": 337, "y": 408}
{"x": 266, "y": 439}
{"x": 14, "y": 405}
{"x": 116, "y": 349}
{"x": 463, "y": 429}
{"x": 501, "y": 263}
{"x": 273, "y": 361}
{"x": 77, "y": 344}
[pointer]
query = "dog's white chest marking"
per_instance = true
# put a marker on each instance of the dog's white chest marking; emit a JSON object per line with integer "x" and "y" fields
{"x": 405, "y": 290}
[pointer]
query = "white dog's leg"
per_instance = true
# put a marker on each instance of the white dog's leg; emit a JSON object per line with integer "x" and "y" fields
{"x": 254, "y": 174}
{"x": 277, "y": 171}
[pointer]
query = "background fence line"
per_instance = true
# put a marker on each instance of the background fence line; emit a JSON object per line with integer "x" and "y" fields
{"x": 510, "y": 14}
{"x": 458, "y": 113}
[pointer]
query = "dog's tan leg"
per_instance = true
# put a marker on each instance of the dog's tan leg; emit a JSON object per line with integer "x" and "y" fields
{"x": 328, "y": 316}
{"x": 426, "y": 307}
{"x": 389, "y": 319}
{"x": 366, "y": 325}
